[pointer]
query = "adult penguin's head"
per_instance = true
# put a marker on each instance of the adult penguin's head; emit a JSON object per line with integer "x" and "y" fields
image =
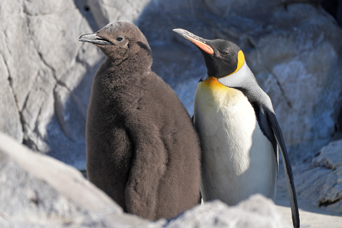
{"x": 222, "y": 57}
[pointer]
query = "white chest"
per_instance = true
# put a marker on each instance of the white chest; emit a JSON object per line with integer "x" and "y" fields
{"x": 238, "y": 160}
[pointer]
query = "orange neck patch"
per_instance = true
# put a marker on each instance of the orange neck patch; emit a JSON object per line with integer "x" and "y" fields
{"x": 212, "y": 92}
{"x": 213, "y": 83}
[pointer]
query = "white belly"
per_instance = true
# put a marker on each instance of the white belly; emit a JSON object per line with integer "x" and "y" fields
{"x": 238, "y": 160}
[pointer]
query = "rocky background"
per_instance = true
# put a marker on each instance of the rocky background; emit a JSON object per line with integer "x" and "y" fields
{"x": 294, "y": 48}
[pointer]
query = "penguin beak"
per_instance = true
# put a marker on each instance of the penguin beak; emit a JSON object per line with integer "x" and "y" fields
{"x": 94, "y": 39}
{"x": 196, "y": 40}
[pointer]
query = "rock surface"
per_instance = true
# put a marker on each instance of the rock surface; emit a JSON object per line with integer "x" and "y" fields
{"x": 257, "y": 211}
{"x": 330, "y": 156}
{"x": 321, "y": 182}
{"x": 106, "y": 11}
{"x": 45, "y": 75}
{"x": 40, "y": 191}
{"x": 310, "y": 215}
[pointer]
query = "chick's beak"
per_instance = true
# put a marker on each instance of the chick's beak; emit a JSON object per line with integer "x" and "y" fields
{"x": 94, "y": 39}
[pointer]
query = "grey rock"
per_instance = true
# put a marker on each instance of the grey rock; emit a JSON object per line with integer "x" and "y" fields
{"x": 257, "y": 211}
{"x": 40, "y": 191}
{"x": 106, "y": 11}
{"x": 320, "y": 182}
{"x": 66, "y": 104}
{"x": 320, "y": 186}
{"x": 330, "y": 156}
{"x": 46, "y": 76}
{"x": 10, "y": 119}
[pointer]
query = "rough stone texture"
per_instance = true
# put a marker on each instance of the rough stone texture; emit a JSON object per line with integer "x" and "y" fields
{"x": 257, "y": 211}
{"x": 10, "y": 119}
{"x": 321, "y": 182}
{"x": 330, "y": 156}
{"x": 45, "y": 75}
{"x": 40, "y": 191}
{"x": 106, "y": 11}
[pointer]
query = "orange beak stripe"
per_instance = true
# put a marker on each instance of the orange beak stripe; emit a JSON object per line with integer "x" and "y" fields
{"x": 201, "y": 45}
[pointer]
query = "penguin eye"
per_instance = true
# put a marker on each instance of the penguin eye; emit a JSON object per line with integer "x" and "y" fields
{"x": 223, "y": 53}
{"x": 119, "y": 38}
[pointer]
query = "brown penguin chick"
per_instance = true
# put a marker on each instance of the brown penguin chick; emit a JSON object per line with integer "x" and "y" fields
{"x": 142, "y": 149}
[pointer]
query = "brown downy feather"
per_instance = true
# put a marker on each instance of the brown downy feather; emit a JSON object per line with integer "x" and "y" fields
{"x": 142, "y": 149}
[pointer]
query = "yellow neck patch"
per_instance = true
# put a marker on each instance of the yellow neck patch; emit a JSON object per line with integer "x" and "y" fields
{"x": 213, "y": 95}
{"x": 241, "y": 61}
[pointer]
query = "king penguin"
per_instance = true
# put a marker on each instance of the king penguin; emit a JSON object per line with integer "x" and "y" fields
{"x": 142, "y": 148}
{"x": 238, "y": 129}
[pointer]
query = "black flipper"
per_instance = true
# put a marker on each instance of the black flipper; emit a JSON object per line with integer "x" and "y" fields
{"x": 272, "y": 119}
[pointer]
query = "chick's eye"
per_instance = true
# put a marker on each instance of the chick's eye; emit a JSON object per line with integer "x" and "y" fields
{"x": 223, "y": 53}
{"x": 119, "y": 38}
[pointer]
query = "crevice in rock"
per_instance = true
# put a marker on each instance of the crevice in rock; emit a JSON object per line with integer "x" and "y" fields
{"x": 26, "y": 128}
{"x": 339, "y": 122}
{"x": 30, "y": 143}
{"x": 48, "y": 65}
{"x": 64, "y": 85}
{"x": 53, "y": 71}
{"x": 282, "y": 91}
{"x": 36, "y": 122}
{"x": 273, "y": 75}
{"x": 9, "y": 78}
{"x": 26, "y": 99}
{"x": 129, "y": 3}
{"x": 328, "y": 203}
{"x": 10, "y": 83}
{"x": 46, "y": 14}
{"x": 280, "y": 87}
{"x": 337, "y": 117}
{"x": 6, "y": 38}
